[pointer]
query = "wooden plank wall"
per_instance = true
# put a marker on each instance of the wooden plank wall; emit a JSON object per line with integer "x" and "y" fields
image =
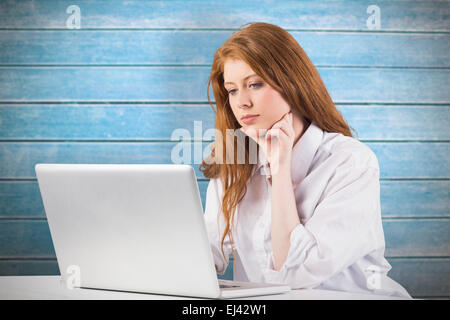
{"x": 113, "y": 88}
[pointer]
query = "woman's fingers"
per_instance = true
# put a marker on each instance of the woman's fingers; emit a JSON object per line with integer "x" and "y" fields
{"x": 284, "y": 126}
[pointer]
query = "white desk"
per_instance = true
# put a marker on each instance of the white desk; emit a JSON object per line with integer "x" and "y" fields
{"x": 51, "y": 287}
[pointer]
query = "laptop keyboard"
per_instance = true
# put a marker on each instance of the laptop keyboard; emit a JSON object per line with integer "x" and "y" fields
{"x": 224, "y": 286}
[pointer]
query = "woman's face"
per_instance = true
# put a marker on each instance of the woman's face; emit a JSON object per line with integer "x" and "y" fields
{"x": 252, "y": 96}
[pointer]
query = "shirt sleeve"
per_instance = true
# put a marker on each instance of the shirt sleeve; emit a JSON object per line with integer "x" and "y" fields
{"x": 215, "y": 225}
{"x": 341, "y": 230}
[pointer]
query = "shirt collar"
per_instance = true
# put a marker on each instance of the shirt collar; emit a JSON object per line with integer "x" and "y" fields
{"x": 302, "y": 153}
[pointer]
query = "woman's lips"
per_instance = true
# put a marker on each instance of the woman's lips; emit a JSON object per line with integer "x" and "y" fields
{"x": 249, "y": 120}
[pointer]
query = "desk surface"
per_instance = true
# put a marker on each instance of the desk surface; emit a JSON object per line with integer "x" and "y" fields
{"x": 51, "y": 287}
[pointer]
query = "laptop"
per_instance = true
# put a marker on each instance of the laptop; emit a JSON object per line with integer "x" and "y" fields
{"x": 136, "y": 228}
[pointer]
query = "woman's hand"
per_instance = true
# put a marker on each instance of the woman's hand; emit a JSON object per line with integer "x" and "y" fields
{"x": 277, "y": 144}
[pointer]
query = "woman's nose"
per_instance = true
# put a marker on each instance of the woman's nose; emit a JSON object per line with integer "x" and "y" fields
{"x": 244, "y": 100}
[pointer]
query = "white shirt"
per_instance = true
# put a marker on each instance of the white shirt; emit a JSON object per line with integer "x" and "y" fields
{"x": 339, "y": 243}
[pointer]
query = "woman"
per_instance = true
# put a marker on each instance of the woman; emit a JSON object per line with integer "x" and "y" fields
{"x": 307, "y": 212}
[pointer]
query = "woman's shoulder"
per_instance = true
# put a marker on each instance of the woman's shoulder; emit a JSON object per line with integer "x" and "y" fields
{"x": 339, "y": 146}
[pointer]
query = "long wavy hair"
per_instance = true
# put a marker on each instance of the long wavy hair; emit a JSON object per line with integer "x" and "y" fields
{"x": 274, "y": 55}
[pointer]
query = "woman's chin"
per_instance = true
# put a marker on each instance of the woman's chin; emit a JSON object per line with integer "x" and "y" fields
{"x": 260, "y": 131}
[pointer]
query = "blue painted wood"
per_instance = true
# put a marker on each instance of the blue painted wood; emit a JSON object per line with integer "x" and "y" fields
{"x": 399, "y": 199}
{"x": 422, "y": 277}
{"x": 188, "y": 84}
{"x": 415, "y": 199}
{"x": 417, "y": 237}
{"x": 30, "y": 267}
{"x": 25, "y": 239}
{"x": 98, "y": 122}
{"x": 345, "y": 15}
{"x": 19, "y": 199}
{"x": 397, "y": 160}
{"x": 175, "y": 47}
{"x": 393, "y": 122}
{"x": 412, "y": 160}
{"x": 125, "y": 122}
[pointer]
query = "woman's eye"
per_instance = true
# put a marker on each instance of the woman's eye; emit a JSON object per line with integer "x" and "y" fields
{"x": 255, "y": 85}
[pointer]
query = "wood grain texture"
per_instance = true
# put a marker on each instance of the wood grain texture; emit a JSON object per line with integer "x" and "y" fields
{"x": 334, "y": 15}
{"x": 189, "y": 84}
{"x": 153, "y": 47}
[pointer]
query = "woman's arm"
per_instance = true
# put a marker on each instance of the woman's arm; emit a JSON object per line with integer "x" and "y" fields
{"x": 345, "y": 226}
{"x": 284, "y": 214}
{"x": 284, "y": 208}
